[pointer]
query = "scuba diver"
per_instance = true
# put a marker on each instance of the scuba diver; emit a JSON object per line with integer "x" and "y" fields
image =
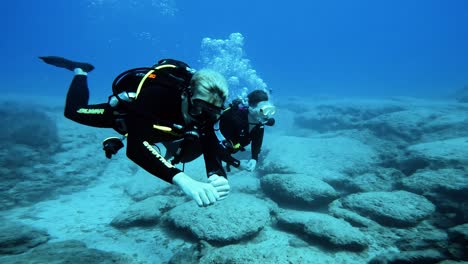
{"x": 166, "y": 102}
{"x": 243, "y": 123}
{"x": 239, "y": 125}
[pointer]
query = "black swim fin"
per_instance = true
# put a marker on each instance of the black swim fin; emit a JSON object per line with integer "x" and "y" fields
{"x": 67, "y": 64}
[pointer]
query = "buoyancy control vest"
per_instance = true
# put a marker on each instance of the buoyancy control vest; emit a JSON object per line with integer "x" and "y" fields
{"x": 126, "y": 88}
{"x": 128, "y": 84}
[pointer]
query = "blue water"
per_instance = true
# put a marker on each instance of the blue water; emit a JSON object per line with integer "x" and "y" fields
{"x": 366, "y": 47}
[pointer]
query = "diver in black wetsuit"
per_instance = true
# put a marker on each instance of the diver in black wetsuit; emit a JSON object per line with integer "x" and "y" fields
{"x": 241, "y": 125}
{"x": 238, "y": 126}
{"x": 168, "y": 102}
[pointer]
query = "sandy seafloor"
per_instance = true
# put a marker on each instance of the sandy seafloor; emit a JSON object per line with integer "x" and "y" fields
{"x": 321, "y": 150}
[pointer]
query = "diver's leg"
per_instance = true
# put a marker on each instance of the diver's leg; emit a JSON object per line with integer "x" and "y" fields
{"x": 76, "y": 105}
{"x": 78, "y": 110}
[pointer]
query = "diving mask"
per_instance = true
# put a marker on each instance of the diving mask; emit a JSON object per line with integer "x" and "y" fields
{"x": 203, "y": 111}
{"x": 265, "y": 109}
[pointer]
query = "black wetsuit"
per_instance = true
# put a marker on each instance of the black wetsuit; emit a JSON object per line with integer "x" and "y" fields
{"x": 234, "y": 125}
{"x": 158, "y": 102}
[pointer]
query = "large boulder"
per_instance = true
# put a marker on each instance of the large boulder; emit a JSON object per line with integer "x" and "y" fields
{"x": 28, "y": 125}
{"x": 28, "y": 139}
{"x": 323, "y": 157}
{"x": 70, "y": 251}
{"x": 379, "y": 179}
{"x": 427, "y": 256}
{"x": 449, "y": 151}
{"x": 337, "y": 209}
{"x": 451, "y": 122}
{"x": 298, "y": 190}
{"x": 236, "y": 218}
{"x": 446, "y": 188}
{"x": 458, "y": 237}
{"x": 323, "y": 229}
{"x": 271, "y": 246}
{"x": 44, "y": 155}
{"x": 16, "y": 238}
{"x": 406, "y": 126}
{"x": 145, "y": 213}
{"x": 424, "y": 236}
{"x": 446, "y": 182}
{"x": 394, "y": 209}
{"x": 333, "y": 115}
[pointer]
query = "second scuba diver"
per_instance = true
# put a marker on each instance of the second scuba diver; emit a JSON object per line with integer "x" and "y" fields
{"x": 241, "y": 124}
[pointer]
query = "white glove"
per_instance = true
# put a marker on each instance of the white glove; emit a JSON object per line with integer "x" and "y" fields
{"x": 248, "y": 165}
{"x": 203, "y": 193}
{"x": 221, "y": 185}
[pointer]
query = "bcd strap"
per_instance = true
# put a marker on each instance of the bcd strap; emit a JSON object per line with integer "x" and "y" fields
{"x": 140, "y": 85}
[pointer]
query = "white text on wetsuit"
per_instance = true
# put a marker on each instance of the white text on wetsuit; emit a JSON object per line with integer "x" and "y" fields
{"x": 158, "y": 156}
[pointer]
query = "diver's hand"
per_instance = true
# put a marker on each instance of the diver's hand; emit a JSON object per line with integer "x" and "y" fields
{"x": 248, "y": 165}
{"x": 221, "y": 185}
{"x": 203, "y": 193}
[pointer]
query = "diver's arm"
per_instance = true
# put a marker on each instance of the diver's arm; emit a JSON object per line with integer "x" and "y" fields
{"x": 257, "y": 141}
{"x": 148, "y": 157}
{"x": 214, "y": 168}
{"x": 213, "y": 162}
